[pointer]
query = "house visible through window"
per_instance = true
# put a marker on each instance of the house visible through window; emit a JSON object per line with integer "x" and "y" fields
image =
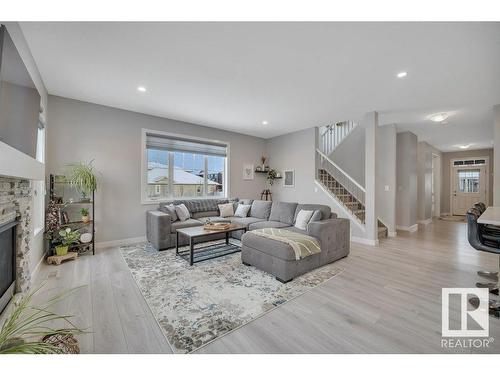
{"x": 183, "y": 168}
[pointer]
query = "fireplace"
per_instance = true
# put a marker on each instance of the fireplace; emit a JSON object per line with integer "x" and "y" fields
{"x": 7, "y": 262}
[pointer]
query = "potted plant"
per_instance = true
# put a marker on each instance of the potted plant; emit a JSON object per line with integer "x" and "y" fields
{"x": 83, "y": 179}
{"x": 263, "y": 159}
{"x": 27, "y": 330}
{"x": 85, "y": 215}
{"x": 68, "y": 237}
{"x": 271, "y": 176}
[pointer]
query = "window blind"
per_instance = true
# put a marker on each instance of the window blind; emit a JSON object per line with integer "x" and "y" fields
{"x": 175, "y": 144}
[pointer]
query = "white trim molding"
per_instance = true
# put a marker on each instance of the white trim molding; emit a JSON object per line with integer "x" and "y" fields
{"x": 411, "y": 228}
{"x": 425, "y": 222}
{"x": 365, "y": 241}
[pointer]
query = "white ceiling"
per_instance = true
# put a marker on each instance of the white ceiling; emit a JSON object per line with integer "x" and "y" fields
{"x": 294, "y": 75}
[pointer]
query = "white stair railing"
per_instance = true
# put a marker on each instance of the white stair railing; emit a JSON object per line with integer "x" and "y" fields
{"x": 333, "y": 135}
{"x": 351, "y": 185}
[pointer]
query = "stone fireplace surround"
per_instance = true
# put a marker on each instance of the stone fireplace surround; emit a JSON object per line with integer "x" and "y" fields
{"x": 16, "y": 203}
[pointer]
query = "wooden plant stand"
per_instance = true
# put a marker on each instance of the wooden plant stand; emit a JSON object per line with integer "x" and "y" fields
{"x": 58, "y": 259}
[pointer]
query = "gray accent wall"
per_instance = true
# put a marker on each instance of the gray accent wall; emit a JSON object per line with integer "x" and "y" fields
{"x": 406, "y": 180}
{"x": 447, "y": 157}
{"x": 112, "y": 137}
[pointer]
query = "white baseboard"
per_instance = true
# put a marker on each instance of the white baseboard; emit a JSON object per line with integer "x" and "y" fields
{"x": 411, "y": 229}
{"x": 125, "y": 241}
{"x": 392, "y": 234}
{"x": 425, "y": 222}
{"x": 364, "y": 241}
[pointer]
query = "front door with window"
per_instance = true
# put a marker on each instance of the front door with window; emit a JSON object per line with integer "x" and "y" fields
{"x": 469, "y": 187}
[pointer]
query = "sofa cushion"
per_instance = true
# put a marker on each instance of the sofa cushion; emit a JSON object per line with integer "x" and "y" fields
{"x": 169, "y": 209}
{"x": 284, "y": 212}
{"x": 246, "y": 201}
{"x": 297, "y": 230}
{"x": 261, "y": 209}
{"x": 276, "y": 249}
{"x": 267, "y": 224}
{"x": 325, "y": 210}
{"x": 198, "y": 215}
{"x": 184, "y": 224}
{"x": 246, "y": 221}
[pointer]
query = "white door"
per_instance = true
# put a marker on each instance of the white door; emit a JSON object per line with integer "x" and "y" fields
{"x": 469, "y": 187}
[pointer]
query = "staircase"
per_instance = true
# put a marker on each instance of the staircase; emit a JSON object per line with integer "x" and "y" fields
{"x": 333, "y": 135}
{"x": 345, "y": 197}
{"x": 342, "y": 187}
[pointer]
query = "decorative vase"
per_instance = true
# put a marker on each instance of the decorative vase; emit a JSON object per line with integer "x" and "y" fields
{"x": 62, "y": 250}
{"x": 85, "y": 219}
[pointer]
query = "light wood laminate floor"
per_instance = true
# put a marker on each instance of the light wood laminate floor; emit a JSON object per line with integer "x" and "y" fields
{"x": 388, "y": 300}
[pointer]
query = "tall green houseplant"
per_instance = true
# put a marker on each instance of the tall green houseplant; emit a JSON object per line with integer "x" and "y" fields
{"x": 82, "y": 177}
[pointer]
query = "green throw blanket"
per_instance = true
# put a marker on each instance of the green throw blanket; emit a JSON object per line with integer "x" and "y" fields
{"x": 302, "y": 244}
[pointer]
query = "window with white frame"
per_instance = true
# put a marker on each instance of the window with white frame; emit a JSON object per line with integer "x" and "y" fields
{"x": 39, "y": 186}
{"x": 176, "y": 166}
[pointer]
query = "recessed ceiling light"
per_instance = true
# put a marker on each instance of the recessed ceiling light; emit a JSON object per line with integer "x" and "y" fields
{"x": 463, "y": 147}
{"x": 265, "y": 122}
{"x": 402, "y": 74}
{"x": 141, "y": 89}
{"x": 439, "y": 117}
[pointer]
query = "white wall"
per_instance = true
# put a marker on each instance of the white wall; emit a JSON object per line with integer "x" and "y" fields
{"x": 37, "y": 250}
{"x": 386, "y": 177}
{"x": 81, "y": 131}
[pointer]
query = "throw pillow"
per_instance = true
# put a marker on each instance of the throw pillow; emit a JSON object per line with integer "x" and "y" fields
{"x": 170, "y": 209}
{"x": 242, "y": 210}
{"x": 316, "y": 216}
{"x": 303, "y": 219}
{"x": 182, "y": 212}
{"x": 226, "y": 210}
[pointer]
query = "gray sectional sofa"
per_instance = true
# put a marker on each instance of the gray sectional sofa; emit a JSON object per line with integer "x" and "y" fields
{"x": 266, "y": 254}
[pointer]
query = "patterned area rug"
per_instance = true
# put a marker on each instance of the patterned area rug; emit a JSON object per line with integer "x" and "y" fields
{"x": 197, "y": 304}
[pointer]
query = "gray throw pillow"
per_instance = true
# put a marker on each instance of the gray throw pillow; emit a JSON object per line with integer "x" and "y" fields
{"x": 182, "y": 212}
{"x": 242, "y": 210}
{"x": 316, "y": 216}
{"x": 169, "y": 209}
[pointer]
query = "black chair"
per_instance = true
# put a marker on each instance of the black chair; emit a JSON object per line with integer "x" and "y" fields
{"x": 481, "y": 241}
{"x": 480, "y": 206}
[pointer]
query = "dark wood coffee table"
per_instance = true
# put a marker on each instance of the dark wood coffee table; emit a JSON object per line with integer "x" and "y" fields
{"x": 207, "y": 252}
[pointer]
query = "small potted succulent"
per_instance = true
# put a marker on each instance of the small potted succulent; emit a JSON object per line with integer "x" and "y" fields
{"x": 68, "y": 237}
{"x": 85, "y": 215}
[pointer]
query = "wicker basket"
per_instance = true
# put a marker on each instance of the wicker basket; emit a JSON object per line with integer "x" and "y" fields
{"x": 64, "y": 341}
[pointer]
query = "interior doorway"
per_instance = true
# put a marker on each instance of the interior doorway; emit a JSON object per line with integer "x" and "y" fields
{"x": 469, "y": 184}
